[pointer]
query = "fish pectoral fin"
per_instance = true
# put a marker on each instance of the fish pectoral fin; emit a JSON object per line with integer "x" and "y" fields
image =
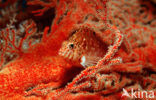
{"x": 87, "y": 61}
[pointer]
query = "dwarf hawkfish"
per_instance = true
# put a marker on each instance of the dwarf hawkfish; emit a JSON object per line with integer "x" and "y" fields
{"x": 83, "y": 48}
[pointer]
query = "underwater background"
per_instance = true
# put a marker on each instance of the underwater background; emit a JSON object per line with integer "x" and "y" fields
{"x": 77, "y": 49}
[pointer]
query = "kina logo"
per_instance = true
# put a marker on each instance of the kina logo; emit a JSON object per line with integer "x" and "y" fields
{"x": 138, "y": 94}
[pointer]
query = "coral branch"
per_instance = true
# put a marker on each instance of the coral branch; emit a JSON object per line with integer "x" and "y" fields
{"x": 45, "y": 37}
{"x": 46, "y": 6}
{"x": 11, "y": 43}
{"x": 112, "y": 49}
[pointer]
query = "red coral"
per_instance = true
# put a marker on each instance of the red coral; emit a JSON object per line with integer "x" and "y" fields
{"x": 39, "y": 72}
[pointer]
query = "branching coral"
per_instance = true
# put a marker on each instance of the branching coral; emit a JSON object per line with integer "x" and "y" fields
{"x": 40, "y": 72}
{"x": 12, "y": 43}
{"x": 46, "y": 6}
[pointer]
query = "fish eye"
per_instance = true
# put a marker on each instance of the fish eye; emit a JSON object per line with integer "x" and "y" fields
{"x": 71, "y": 46}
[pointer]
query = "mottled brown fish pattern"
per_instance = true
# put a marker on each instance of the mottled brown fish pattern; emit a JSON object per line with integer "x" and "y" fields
{"x": 83, "y": 47}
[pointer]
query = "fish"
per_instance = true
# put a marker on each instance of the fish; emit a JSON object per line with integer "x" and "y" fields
{"x": 83, "y": 48}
